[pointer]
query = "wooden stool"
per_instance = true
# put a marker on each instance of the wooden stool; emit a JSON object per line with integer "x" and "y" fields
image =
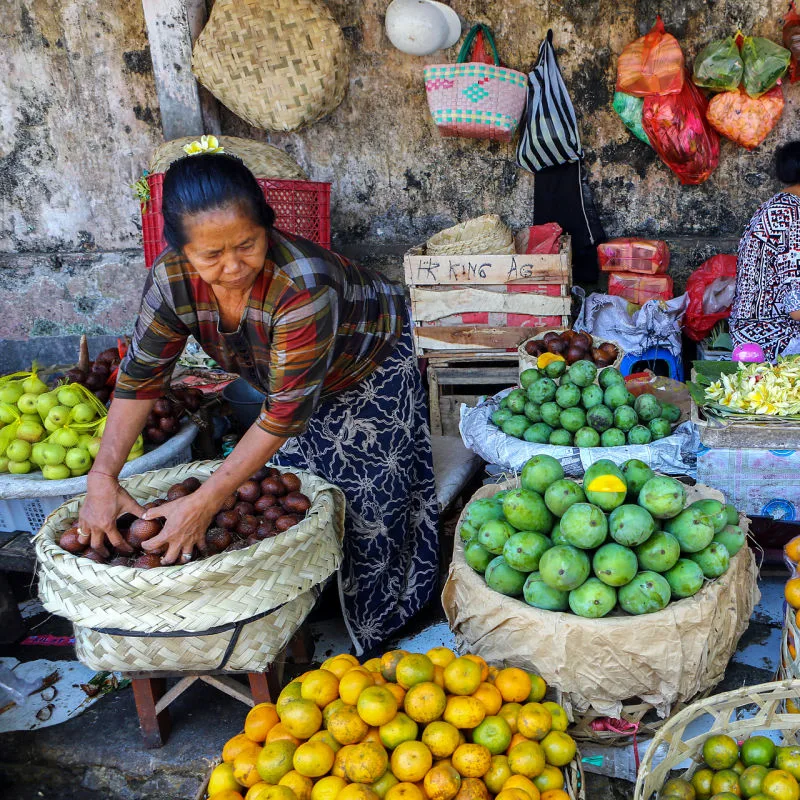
{"x": 153, "y": 699}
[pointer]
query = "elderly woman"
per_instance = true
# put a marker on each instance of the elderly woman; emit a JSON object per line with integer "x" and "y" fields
{"x": 766, "y": 309}
{"x": 330, "y": 346}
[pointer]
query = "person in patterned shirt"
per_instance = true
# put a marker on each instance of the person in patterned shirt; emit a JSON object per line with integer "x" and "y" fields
{"x": 328, "y": 343}
{"x": 766, "y": 309}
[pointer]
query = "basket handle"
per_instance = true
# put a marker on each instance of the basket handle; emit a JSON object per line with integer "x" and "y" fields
{"x": 463, "y": 53}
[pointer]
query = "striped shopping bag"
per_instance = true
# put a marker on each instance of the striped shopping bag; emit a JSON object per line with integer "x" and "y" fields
{"x": 475, "y": 100}
{"x": 549, "y": 134}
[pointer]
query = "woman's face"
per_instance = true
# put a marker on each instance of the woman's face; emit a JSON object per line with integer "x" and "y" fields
{"x": 226, "y": 247}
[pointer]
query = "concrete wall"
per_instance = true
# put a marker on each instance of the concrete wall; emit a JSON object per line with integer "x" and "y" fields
{"x": 79, "y": 116}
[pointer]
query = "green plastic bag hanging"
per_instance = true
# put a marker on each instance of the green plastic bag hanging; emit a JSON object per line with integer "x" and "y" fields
{"x": 765, "y": 63}
{"x": 719, "y": 66}
{"x": 629, "y": 109}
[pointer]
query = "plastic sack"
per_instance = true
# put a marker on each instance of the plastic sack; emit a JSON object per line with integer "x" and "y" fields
{"x": 718, "y": 296}
{"x": 765, "y": 63}
{"x": 541, "y": 239}
{"x": 743, "y": 119}
{"x": 677, "y": 127}
{"x": 639, "y": 289}
{"x": 791, "y": 40}
{"x": 647, "y": 256}
{"x": 652, "y": 64}
{"x": 719, "y": 66}
{"x": 629, "y": 109}
{"x": 697, "y": 322}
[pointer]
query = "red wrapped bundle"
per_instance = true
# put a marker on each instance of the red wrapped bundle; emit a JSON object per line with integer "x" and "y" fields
{"x": 697, "y": 323}
{"x": 653, "y": 64}
{"x": 677, "y": 127}
{"x": 647, "y": 256}
{"x": 640, "y": 288}
{"x": 743, "y": 119}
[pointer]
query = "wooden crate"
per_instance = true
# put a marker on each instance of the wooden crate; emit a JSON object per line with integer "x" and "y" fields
{"x": 459, "y": 378}
{"x": 486, "y": 302}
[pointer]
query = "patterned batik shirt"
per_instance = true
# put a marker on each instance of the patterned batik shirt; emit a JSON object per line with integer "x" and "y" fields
{"x": 768, "y": 277}
{"x": 313, "y": 327}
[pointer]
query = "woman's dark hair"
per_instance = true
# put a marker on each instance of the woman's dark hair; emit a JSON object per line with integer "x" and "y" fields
{"x": 787, "y": 163}
{"x": 208, "y": 182}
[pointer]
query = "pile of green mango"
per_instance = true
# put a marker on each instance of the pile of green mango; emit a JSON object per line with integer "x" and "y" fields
{"x": 622, "y": 538}
{"x": 564, "y": 406}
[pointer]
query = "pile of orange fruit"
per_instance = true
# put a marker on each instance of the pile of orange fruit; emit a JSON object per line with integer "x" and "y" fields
{"x": 405, "y": 726}
{"x": 791, "y": 591}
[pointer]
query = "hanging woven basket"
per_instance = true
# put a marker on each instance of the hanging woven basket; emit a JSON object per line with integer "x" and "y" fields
{"x": 234, "y": 611}
{"x": 486, "y": 234}
{"x": 278, "y": 64}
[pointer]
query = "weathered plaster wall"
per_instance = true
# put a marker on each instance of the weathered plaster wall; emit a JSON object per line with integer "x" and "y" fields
{"x": 78, "y": 117}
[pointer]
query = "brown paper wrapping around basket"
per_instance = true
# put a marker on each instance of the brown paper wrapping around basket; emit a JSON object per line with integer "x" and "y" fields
{"x": 662, "y": 658}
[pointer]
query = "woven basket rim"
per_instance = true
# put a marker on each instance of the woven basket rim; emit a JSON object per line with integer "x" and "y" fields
{"x": 474, "y": 236}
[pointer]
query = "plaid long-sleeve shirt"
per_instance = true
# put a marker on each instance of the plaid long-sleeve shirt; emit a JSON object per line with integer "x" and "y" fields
{"x": 314, "y": 326}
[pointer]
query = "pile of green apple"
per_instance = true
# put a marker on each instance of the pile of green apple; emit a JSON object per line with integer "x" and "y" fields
{"x": 57, "y": 431}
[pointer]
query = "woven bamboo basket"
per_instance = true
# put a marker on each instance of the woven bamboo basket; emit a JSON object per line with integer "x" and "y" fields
{"x": 527, "y": 361}
{"x": 234, "y": 611}
{"x": 486, "y": 234}
{"x": 739, "y": 714}
{"x": 262, "y": 159}
{"x": 789, "y": 668}
{"x": 278, "y": 64}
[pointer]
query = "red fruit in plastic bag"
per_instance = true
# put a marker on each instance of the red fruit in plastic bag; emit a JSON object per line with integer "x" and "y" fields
{"x": 696, "y": 323}
{"x": 677, "y": 127}
{"x": 652, "y": 64}
{"x": 743, "y": 119}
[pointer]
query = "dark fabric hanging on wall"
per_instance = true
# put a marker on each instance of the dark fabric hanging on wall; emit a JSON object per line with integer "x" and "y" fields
{"x": 561, "y": 194}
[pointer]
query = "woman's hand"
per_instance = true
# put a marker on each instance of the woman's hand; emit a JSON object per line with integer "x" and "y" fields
{"x": 106, "y": 501}
{"x": 188, "y": 518}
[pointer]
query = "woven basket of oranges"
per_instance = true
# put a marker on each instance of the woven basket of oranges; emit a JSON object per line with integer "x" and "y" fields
{"x": 405, "y": 726}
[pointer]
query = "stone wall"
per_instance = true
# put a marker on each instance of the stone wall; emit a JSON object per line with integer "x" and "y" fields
{"x": 80, "y": 116}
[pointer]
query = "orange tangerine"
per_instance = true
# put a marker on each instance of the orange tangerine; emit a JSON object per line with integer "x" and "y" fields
{"x": 558, "y": 717}
{"x": 301, "y": 785}
{"x": 389, "y": 662}
{"x": 494, "y": 733}
{"x": 780, "y": 785}
{"x": 442, "y": 656}
{"x": 405, "y": 791}
{"x": 313, "y": 759}
{"x": 521, "y": 782}
{"x": 321, "y": 687}
{"x": 330, "y": 708}
{"x": 398, "y": 730}
{"x": 376, "y": 706}
{"x": 472, "y": 789}
{"x": 491, "y": 698}
{"x": 527, "y": 758}
{"x": 792, "y": 549}
{"x": 279, "y": 792}
{"x": 244, "y": 768}
{"x": 481, "y": 663}
{"x": 792, "y": 592}
{"x": 438, "y": 675}
{"x": 510, "y": 712}
{"x": 554, "y": 794}
{"x": 398, "y": 691}
{"x": 512, "y": 794}
{"x": 442, "y": 782}
{"x": 515, "y": 740}
{"x": 357, "y": 791}
{"x": 275, "y": 760}
{"x": 472, "y": 760}
{"x": 492, "y": 674}
{"x": 238, "y": 744}
{"x": 222, "y": 779}
{"x": 292, "y": 691}
{"x": 550, "y": 779}
{"x": 328, "y": 788}
{"x": 259, "y": 721}
{"x": 425, "y": 702}
{"x": 534, "y": 721}
{"x": 414, "y": 668}
{"x": 258, "y": 791}
{"x": 441, "y": 738}
{"x": 346, "y": 726}
{"x": 411, "y": 761}
{"x": 338, "y": 665}
{"x": 354, "y": 682}
{"x": 373, "y": 665}
{"x": 538, "y": 688}
{"x": 366, "y": 763}
{"x": 378, "y": 679}
{"x": 278, "y": 732}
{"x": 325, "y": 736}
{"x": 514, "y": 684}
{"x": 373, "y": 735}
{"x": 559, "y": 748}
{"x": 499, "y": 772}
{"x": 462, "y": 676}
{"x": 350, "y": 659}
{"x": 302, "y": 718}
{"x": 228, "y": 794}
{"x": 384, "y": 783}
{"x": 338, "y": 768}
{"x": 464, "y": 712}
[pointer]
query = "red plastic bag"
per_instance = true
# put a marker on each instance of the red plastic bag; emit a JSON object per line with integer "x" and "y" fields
{"x": 640, "y": 288}
{"x": 652, "y": 64}
{"x": 791, "y": 40}
{"x": 677, "y": 127}
{"x": 743, "y": 119}
{"x": 646, "y": 256}
{"x": 541, "y": 239}
{"x": 697, "y": 324}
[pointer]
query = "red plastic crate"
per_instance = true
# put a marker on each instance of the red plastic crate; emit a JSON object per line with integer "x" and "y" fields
{"x": 301, "y": 207}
